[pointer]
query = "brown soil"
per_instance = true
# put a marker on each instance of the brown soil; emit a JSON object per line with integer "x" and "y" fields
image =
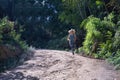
{"x": 61, "y": 65}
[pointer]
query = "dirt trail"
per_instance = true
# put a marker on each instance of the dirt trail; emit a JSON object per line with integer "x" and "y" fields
{"x": 61, "y": 65}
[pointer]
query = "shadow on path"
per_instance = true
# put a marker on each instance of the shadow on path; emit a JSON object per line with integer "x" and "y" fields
{"x": 17, "y": 76}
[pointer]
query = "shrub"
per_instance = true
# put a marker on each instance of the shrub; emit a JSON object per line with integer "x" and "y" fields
{"x": 8, "y": 34}
{"x": 102, "y": 39}
{"x": 99, "y": 33}
{"x": 115, "y": 58}
{"x": 11, "y": 46}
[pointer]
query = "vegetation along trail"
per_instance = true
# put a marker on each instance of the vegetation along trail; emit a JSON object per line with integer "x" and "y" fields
{"x": 61, "y": 65}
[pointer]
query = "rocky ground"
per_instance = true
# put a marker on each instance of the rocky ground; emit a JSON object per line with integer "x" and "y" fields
{"x": 61, "y": 65}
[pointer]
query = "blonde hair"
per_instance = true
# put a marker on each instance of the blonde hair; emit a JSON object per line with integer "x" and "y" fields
{"x": 71, "y": 30}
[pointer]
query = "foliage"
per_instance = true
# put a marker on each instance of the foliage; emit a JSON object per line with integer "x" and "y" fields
{"x": 99, "y": 35}
{"x": 8, "y": 34}
{"x": 115, "y": 58}
{"x": 11, "y": 44}
{"x": 74, "y": 11}
{"x": 41, "y": 22}
{"x": 58, "y": 43}
{"x": 38, "y": 17}
{"x": 102, "y": 38}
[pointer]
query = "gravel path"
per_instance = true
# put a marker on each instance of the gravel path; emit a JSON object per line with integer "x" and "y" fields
{"x": 61, "y": 65}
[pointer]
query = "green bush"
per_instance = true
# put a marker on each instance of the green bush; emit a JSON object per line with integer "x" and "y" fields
{"x": 102, "y": 39}
{"x": 99, "y": 33}
{"x": 9, "y": 35}
{"x": 11, "y": 46}
{"x": 115, "y": 59}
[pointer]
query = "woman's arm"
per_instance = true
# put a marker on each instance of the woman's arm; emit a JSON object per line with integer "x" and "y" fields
{"x": 68, "y": 38}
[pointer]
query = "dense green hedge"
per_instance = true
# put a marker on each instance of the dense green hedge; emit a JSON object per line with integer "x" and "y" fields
{"x": 115, "y": 59}
{"x": 10, "y": 35}
{"x": 11, "y": 46}
{"x": 102, "y": 38}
